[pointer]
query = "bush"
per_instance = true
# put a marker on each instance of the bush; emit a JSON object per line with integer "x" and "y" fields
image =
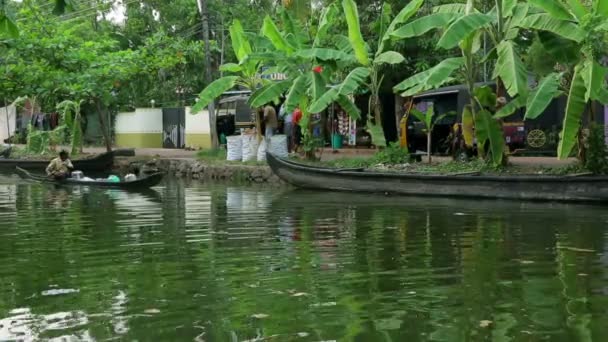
{"x": 596, "y": 156}
{"x": 392, "y": 154}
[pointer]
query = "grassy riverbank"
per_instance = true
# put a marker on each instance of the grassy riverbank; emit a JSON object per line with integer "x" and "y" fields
{"x": 396, "y": 161}
{"x": 452, "y": 167}
{"x": 18, "y": 152}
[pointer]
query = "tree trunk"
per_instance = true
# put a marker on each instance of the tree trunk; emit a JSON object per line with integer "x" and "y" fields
{"x": 202, "y": 6}
{"x": 103, "y": 125}
{"x": 428, "y": 145}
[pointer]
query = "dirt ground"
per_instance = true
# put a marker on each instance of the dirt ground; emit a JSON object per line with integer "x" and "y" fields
{"x": 329, "y": 154}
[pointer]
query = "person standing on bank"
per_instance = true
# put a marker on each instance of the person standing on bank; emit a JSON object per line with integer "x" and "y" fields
{"x": 60, "y": 167}
{"x": 288, "y": 127}
{"x": 271, "y": 122}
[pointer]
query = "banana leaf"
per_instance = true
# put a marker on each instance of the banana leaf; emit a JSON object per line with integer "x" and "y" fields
{"x": 377, "y": 134}
{"x": 545, "y": 22}
{"x": 433, "y": 77}
{"x": 355, "y": 37}
{"x": 542, "y": 96}
{"x": 231, "y": 67}
{"x": 601, "y": 7}
{"x": 553, "y": 7}
{"x": 486, "y": 96}
{"x": 423, "y": 25}
{"x": 487, "y": 129}
{"x": 511, "y": 69}
{"x": 573, "y": 116}
{"x": 389, "y": 57}
{"x": 270, "y": 31}
{"x": 462, "y": 28}
{"x": 507, "y": 7}
{"x": 519, "y": 13}
{"x": 451, "y": 8}
{"x": 268, "y": 93}
{"x": 510, "y": 107}
{"x": 324, "y": 54}
{"x": 594, "y": 76}
{"x": 297, "y": 91}
{"x": 324, "y": 101}
{"x": 213, "y": 91}
{"x": 240, "y": 44}
{"x": 353, "y": 81}
{"x": 404, "y": 15}
{"x": 349, "y": 107}
{"x": 319, "y": 86}
{"x": 467, "y": 126}
{"x": 327, "y": 18}
{"x": 577, "y": 8}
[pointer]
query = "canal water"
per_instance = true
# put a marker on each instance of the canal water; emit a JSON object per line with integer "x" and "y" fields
{"x": 191, "y": 262}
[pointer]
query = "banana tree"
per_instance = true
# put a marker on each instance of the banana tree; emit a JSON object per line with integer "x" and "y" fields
{"x": 429, "y": 120}
{"x": 309, "y": 67}
{"x": 464, "y": 28}
{"x": 246, "y": 73}
{"x": 368, "y": 74}
{"x": 582, "y": 27}
{"x": 72, "y": 123}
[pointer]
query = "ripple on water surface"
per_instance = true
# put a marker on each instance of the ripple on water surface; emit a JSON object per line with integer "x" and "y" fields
{"x": 222, "y": 263}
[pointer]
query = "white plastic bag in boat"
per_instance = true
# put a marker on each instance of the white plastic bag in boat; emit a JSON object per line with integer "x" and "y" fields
{"x": 262, "y": 151}
{"x": 250, "y": 147}
{"x": 278, "y": 146}
{"x": 234, "y": 145}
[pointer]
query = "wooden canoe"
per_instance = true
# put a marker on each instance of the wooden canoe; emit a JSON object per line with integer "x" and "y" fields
{"x": 100, "y": 163}
{"x": 141, "y": 183}
{"x": 525, "y": 187}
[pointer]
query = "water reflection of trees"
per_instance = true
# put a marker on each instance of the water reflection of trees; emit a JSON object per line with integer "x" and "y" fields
{"x": 217, "y": 259}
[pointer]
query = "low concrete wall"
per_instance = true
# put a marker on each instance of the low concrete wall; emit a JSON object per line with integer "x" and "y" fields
{"x": 193, "y": 169}
{"x": 139, "y": 140}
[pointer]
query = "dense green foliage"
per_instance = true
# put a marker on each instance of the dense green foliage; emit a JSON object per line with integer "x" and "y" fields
{"x": 330, "y": 51}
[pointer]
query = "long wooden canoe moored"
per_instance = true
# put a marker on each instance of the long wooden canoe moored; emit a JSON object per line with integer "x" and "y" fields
{"x": 524, "y": 187}
{"x": 141, "y": 183}
{"x": 99, "y": 163}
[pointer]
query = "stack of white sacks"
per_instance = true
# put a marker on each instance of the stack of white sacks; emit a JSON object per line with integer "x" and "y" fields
{"x": 234, "y": 144}
{"x": 246, "y": 147}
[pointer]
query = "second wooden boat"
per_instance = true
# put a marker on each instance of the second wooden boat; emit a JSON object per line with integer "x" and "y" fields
{"x": 524, "y": 187}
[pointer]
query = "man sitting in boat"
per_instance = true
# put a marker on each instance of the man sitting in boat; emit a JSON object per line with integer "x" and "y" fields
{"x": 60, "y": 167}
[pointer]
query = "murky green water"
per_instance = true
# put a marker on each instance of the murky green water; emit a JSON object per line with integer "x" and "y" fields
{"x": 223, "y": 263}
